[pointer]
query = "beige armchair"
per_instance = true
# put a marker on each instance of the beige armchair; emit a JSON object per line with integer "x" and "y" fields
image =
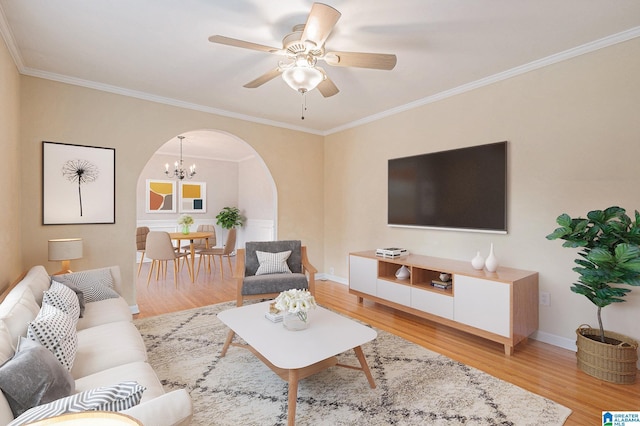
{"x": 266, "y": 279}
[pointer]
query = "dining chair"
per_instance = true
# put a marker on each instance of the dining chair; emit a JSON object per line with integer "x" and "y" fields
{"x": 201, "y": 243}
{"x": 160, "y": 250}
{"x": 141, "y": 243}
{"x": 221, "y": 252}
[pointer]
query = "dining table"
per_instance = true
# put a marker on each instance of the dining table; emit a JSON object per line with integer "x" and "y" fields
{"x": 191, "y": 236}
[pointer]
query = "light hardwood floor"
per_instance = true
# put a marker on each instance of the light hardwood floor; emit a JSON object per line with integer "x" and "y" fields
{"x": 538, "y": 367}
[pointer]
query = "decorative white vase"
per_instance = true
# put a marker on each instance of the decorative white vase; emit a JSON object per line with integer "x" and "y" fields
{"x": 403, "y": 273}
{"x": 492, "y": 261}
{"x": 295, "y": 322}
{"x": 477, "y": 262}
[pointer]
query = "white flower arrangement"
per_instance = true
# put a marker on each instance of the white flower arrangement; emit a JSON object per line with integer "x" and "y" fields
{"x": 185, "y": 219}
{"x": 296, "y": 302}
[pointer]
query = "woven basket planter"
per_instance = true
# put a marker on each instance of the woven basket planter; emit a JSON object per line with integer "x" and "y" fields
{"x": 612, "y": 363}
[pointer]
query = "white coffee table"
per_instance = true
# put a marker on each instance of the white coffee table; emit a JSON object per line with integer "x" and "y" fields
{"x": 294, "y": 355}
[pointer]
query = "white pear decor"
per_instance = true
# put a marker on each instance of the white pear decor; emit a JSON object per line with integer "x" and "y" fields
{"x": 492, "y": 261}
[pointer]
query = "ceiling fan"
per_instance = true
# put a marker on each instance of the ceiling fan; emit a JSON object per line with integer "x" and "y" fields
{"x": 303, "y": 48}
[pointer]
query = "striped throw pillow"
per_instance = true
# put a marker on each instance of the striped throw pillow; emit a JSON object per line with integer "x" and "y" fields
{"x": 119, "y": 397}
{"x": 63, "y": 298}
{"x": 96, "y": 285}
{"x": 273, "y": 263}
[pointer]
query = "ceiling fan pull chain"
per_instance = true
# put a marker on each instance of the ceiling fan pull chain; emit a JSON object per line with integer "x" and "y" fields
{"x": 304, "y": 104}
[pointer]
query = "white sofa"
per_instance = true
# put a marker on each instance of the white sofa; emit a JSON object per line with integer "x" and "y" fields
{"x": 110, "y": 349}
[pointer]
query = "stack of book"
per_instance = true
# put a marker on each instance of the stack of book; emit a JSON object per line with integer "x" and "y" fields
{"x": 441, "y": 284}
{"x": 391, "y": 252}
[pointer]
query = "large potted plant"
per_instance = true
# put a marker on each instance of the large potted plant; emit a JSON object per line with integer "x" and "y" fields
{"x": 229, "y": 217}
{"x": 609, "y": 259}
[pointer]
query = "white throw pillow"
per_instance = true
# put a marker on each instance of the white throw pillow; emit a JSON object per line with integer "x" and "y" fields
{"x": 56, "y": 331}
{"x": 273, "y": 263}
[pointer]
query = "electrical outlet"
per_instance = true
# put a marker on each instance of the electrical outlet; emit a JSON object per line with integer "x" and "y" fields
{"x": 545, "y": 298}
{"x": 331, "y": 271}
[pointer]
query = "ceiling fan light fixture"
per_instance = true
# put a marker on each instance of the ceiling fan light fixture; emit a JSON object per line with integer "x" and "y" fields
{"x": 302, "y": 79}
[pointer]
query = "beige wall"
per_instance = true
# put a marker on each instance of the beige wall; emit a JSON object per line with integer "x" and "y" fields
{"x": 136, "y": 129}
{"x": 573, "y": 134}
{"x": 574, "y": 145}
{"x": 10, "y": 191}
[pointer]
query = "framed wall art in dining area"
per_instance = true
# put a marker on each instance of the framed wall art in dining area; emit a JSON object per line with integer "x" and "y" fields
{"x": 193, "y": 197}
{"x": 160, "y": 196}
{"x": 78, "y": 184}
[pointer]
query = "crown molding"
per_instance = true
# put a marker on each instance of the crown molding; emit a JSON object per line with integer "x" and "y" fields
{"x": 513, "y": 72}
{"x": 621, "y": 37}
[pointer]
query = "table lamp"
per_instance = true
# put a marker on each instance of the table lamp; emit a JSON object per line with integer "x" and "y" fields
{"x": 65, "y": 250}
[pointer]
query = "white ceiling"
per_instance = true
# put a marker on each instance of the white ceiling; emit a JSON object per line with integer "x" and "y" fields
{"x": 158, "y": 49}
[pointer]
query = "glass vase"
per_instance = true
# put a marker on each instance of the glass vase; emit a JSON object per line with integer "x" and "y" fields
{"x": 185, "y": 229}
{"x": 295, "y": 321}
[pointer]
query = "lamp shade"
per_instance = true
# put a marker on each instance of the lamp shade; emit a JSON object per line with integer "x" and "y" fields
{"x": 65, "y": 249}
{"x": 302, "y": 78}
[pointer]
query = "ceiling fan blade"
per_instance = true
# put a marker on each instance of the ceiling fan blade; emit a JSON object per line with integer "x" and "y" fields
{"x": 244, "y": 44}
{"x": 268, "y": 76}
{"x": 327, "y": 88}
{"x": 320, "y": 23}
{"x": 378, "y": 61}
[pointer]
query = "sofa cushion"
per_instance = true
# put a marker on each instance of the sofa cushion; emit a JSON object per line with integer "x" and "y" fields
{"x": 18, "y": 312}
{"x": 273, "y": 283}
{"x": 104, "y": 312}
{"x": 140, "y": 371}
{"x": 273, "y": 263}
{"x": 33, "y": 377}
{"x": 56, "y": 331}
{"x": 96, "y": 284}
{"x": 6, "y": 345}
{"x": 106, "y": 346}
{"x": 37, "y": 280}
{"x": 109, "y": 398}
{"x": 63, "y": 298}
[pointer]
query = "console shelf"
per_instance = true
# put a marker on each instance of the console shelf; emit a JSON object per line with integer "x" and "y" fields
{"x": 501, "y": 306}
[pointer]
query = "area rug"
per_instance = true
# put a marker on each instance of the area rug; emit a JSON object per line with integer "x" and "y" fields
{"x": 414, "y": 385}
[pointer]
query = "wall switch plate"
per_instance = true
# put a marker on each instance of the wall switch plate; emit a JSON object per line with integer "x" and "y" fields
{"x": 545, "y": 298}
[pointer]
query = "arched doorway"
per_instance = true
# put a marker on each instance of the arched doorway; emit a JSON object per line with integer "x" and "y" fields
{"x": 233, "y": 174}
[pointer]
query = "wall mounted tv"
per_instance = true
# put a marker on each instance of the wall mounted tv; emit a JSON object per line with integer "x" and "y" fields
{"x": 461, "y": 189}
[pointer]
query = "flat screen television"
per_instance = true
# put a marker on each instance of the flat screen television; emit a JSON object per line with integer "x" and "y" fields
{"x": 459, "y": 189}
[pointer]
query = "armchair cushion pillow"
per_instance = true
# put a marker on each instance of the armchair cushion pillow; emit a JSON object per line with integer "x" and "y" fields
{"x": 273, "y": 283}
{"x": 56, "y": 331}
{"x": 33, "y": 377}
{"x": 273, "y": 263}
{"x": 96, "y": 284}
{"x": 294, "y": 261}
{"x": 110, "y": 398}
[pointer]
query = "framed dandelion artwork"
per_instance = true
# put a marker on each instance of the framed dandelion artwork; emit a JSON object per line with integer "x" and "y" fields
{"x": 78, "y": 184}
{"x": 160, "y": 196}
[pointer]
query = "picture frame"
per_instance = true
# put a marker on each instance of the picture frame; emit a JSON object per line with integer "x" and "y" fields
{"x": 193, "y": 197}
{"x": 160, "y": 196}
{"x": 78, "y": 184}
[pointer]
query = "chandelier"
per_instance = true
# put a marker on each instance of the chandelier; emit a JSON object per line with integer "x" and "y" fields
{"x": 179, "y": 172}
